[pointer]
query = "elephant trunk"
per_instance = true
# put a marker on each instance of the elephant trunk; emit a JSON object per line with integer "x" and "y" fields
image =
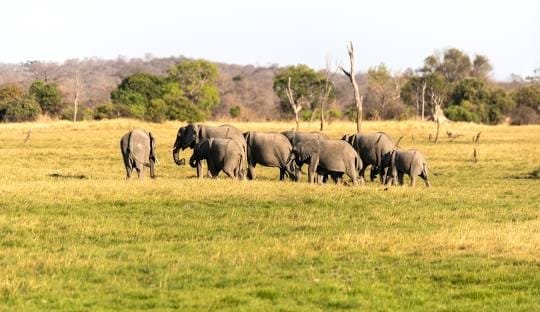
{"x": 177, "y": 160}
{"x": 152, "y": 169}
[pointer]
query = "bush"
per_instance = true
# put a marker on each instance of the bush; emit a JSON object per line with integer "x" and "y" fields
{"x": 524, "y": 115}
{"x": 48, "y": 96}
{"x": 460, "y": 113}
{"x": 25, "y": 109}
{"x": 157, "y": 111}
{"x": 83, "y": 113}
{"x": 333, "y": 114}
{"x": 234, "y": 111}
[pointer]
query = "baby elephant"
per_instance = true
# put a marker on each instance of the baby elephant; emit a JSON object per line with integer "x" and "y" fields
{"x": 220, "y": 154}
{"x": 411, "y": 162}
{"x": 328, "y": 157}
{"x": 138, "y": 150}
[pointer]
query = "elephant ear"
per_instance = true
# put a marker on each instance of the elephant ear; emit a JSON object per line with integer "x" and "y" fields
{"x": 307, "y": 149}
{"x": 345, "y": 137}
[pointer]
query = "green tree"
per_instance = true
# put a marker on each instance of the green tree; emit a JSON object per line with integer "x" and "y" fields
{"x": 383, "y": 90}
{"x": 234, "y": 111}
{"x": 48, "y": 96}
{"x": 196, "y": 80}
{"x": 137, "y": 91}
{"x": 9, "y": 93}
{"x": 24, "y": 109}
{"x": 307, "y": 85}
{"x": 453, "y": 64}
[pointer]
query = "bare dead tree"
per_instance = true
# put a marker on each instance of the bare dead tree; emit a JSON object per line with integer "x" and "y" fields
{"x": 424, "y": 86}
{"x": 475, "y": 156}
{"x": 325, "y": 95}
{"x": 438, "y": 113}
{"x": 77, "y": 93}
{"x": 358, "y": 100}
{"x": 295, "y": 105}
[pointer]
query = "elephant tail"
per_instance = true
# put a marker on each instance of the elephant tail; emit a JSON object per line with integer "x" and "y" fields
{"x": 427, "y": 168}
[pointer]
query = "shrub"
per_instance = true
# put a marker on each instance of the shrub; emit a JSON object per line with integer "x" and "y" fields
{"x": 234, "y": 111}
{"x": 48, "y": 96}
{"x": 25, "y": 109}
{"x": 524, "y": 115}
{"x": 460, "y": 113}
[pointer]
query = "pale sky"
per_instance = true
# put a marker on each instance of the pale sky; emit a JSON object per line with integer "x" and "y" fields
{"x": 398, "y": 33}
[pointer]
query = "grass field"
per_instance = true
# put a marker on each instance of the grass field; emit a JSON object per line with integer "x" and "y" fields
{"x": 74, "y": 235}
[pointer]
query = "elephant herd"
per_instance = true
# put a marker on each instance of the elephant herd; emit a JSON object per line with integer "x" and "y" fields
{"x": 225, "y": 148}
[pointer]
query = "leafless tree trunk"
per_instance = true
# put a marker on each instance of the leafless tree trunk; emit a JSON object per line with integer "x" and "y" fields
{"x": 423, "y": 99}
{"x": 76, "y": 101}
{"x": 327, "y": 90}
{"x": 296, "y": 105}
{"x": 358, "y": 101}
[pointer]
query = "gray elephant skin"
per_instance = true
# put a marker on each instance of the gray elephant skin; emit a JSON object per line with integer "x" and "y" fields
{"x": 270, "y": 150}
{"x": 191, "y": 134}
{"x": 332, "y": 157}
{"x": 411, "y": 162}
{"x": 220, "y": 154}
{"x": 296, "y": 136}
{"x": 371, "y": 148}
{"x": 138, "y": 151}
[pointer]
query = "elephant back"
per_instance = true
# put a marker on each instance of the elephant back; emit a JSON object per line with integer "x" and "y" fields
{"x": 139, "y": 146}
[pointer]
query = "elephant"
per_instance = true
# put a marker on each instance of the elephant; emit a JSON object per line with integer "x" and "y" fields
{"x": 138, "y": 150}
{"x": 220, "y": 154}
{"x": 191, "y": 134}
{"x": 411, "y": 162}
{"x": 332, "y": 157}
{"x": 270, "y": 150}
{"x": 371, "y": 148}
{"x": 297, "y": 136}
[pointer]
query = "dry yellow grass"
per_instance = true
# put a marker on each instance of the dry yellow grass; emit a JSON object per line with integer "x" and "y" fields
{"x": 471, "y": 241}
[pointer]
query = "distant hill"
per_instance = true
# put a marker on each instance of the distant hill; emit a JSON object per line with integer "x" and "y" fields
{"x": 247, "y": 86}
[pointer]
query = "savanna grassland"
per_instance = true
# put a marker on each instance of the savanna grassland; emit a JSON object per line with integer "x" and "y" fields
{"x": 75, "y": 235}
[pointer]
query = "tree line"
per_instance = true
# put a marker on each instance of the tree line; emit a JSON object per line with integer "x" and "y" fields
{"x": 449, "y": 84}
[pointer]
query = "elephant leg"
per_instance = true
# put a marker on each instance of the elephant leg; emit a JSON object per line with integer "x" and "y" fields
{"x": 281, "y": 174}
{"x": 361, "y": 173}
{"x": 373, "y": 173}
{"x": 413, "y": 180}
{"x": 424, "y": 176}
{"x": 400, "y": 178}
{"x": 251, "y": 172}
{"x": 230, "y": 173}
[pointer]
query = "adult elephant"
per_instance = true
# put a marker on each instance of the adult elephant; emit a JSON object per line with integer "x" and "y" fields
{"x": 270, "y": 150}
{"x": 332, "y": 157}
{"x": 220, "y": 154}
{"x": 411, "y": 162}
{"x": 296, "y": 137}
{"x": 138, "y": 150}
{"x": 372, "y": 149}
{"x": 191, "y": 134}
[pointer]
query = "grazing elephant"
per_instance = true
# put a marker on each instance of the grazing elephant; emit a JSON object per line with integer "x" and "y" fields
{"x": 270, "y": 150}
{"x": 296, "y": 137}
{"x": 333, "y": 157}
{"x": 188, "y": 136}
{"x": 220, "y": 154}
{"x": 371, "y": 148}
{"x": 411, "y": 162}
{"x": 138, "y": 150}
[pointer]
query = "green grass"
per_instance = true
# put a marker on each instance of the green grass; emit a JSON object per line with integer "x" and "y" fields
{"x": 471, "y": 242}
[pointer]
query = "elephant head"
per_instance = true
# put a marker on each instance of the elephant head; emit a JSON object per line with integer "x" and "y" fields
{"x": 187, "y": 136}
{"x": 152, "y": 159}
{"x": 304, "y": 151}
{"x": 200, "y": 152}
